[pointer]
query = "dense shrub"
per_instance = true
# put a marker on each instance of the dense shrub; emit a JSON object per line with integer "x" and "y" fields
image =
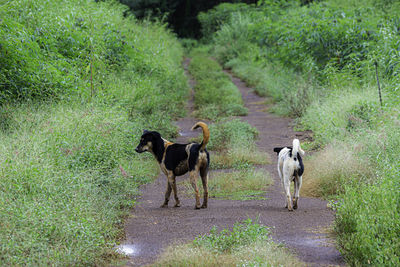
{"x": 78, "y": 84}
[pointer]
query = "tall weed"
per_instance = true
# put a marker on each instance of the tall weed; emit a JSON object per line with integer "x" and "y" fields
{"x": 79, "y": 82}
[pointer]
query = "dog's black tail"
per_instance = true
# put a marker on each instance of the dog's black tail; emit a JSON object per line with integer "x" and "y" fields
{"x": 278, "y": 149}
{"x": 206, "y": 133}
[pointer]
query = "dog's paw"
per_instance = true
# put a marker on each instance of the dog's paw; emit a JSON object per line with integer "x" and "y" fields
{"x": 164, "y": 206}
{"x": 177, "y": 205}
{"x": 295, "y": 203}
{"x": 204, "y": 206}
{"x": 196, "y": 207}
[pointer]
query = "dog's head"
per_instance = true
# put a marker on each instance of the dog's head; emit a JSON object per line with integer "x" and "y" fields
{"x": 147, "y": 141}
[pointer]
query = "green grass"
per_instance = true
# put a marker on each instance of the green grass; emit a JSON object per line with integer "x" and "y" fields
{"x": 215, "y": 94}
{"x": 79, "y": 83}
{"x": 240, "y": 185}
{"x": 239, "y": 157}
{"x": 290, "y": 92}
{"x": 234, "y": 143}
{"x": 63, "y": 192}
{"x": 246, "y": 184}
{"x": 247, "y": 244}
{"x": 317, "y": 62}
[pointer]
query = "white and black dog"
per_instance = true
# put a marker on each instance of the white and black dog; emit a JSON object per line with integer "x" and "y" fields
{"x": 291, "y": 168}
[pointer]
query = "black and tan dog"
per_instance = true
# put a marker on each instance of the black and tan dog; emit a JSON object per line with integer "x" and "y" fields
{"x": 178, "y": 159}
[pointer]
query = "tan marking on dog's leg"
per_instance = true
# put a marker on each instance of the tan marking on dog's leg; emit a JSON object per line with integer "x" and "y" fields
{"x": 171, "y": 185}
{"x": 204, "y": 179}
{"x": 167, "y": 195}
{"x": 172, "y": 182}
{"x": 193, "y": 180}
{"x": 177, "y": 202}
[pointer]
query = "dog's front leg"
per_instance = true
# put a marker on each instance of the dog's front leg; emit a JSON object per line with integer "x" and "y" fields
{"x": 172, "y": 184}
{"x": 177, "y": 202}
{"x": 167, "y": 195}
{"x": 193, "y": 181}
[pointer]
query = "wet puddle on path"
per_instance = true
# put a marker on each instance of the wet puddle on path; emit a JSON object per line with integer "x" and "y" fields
{"x": 130, "y": 250}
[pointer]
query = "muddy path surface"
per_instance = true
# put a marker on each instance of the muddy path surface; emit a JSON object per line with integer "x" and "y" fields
{"x": 150, "y": 229}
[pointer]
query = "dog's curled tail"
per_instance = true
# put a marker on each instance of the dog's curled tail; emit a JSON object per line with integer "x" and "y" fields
{"x": 206, "y": 133}
{"x": 297, "y": 148}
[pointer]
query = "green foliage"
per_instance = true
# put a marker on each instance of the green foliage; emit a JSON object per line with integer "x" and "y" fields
{"x": 69, "y": 172}
{"x": 331, "y": 119}
{"x": 247, "y": 244}
{"x": 235, "y": 142}
{"x": 240, "y": 185}
{"x": 230, "y": 133}
{"x": 235, "y": 38}
{"x": 242, "y": 234}
{"x": 317, "y": 62}
{"x": 215, "y": 94}
{"x": 214, "y": 18}
{"x": 245, "y": 184}
{"x": 361, "y": 115}
{"x": 368, "y": 217}
{"x": 63, "y": 192}
{"x": 290, "y": 91}
{"x": 67, "y": 49}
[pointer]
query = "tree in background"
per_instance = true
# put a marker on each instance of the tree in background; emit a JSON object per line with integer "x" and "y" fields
{"x": 181, "y": 15}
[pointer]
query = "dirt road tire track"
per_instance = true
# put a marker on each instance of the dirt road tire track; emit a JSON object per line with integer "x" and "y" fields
{"x": 150, "y": 229}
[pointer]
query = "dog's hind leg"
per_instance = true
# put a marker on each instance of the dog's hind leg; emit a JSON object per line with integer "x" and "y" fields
{"x": 297, "y": 182}
{"x": 193, "y": 180}
{"x": 204, "y": 179}
{"x": 280, "y": 170}
{"x": 286, "y": 181}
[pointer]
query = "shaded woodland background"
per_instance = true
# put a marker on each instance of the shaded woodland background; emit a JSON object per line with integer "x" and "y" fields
{"x": 181, "y": 15}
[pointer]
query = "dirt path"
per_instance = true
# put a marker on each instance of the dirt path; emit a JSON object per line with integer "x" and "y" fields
{"x": 150, "y": 228}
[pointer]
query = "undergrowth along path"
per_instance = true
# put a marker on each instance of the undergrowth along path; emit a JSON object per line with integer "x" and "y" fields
{"x": 150, "y": 229}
